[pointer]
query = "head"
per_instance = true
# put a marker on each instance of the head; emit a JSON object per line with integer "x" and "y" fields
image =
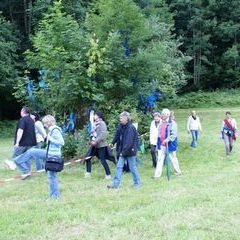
{"x": 48, "y": 121}
{"x": 228, "y": 115}
{"x": 35, "y": 116}
{"x": 165, "y": 114}
{"x": 99, "y": 116}
{"x": 194, "y": 113}
{"x": 124, "y": 117}
{"x": 157, "y": 116}
{"x": 25, "y": 111}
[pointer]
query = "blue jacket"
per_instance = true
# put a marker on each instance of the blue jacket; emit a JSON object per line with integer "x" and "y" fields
{"x": 128, "y": 141}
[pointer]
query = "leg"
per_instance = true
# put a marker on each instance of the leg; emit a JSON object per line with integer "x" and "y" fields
{"x": 193, "y": 133}
{"x": 101, "y": 154}
{"x": 227, "y": 143}
{"x": 88, "y": 166}
{"x": 133, "y": 169}
{"x": 175, "y": 163}
{"x": 161, "y": 156}
{"x": 230, "y": 144}
{"x": 153, "y": 154}
{"x": 53, "y": 185}
{"x": 24, "y": 161}
{"x": 39, "y": 162}
{"x": 118, "y": 173}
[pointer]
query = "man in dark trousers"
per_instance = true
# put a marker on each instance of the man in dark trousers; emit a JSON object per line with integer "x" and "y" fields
{"x": 127, "y": 151}
{"x": 25, "y": 136}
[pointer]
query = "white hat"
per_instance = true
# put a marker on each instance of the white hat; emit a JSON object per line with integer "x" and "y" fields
{"x": 166, "y": 112}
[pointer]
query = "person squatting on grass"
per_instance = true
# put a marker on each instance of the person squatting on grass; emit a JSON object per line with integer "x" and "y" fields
{"x": 167, "y": 141}
{"x": 229, "y": 132}
{"x": 56, "y": 142}
{"x": 127, "y": 151}
{"x": 154, "y": 136}
{"x": 25, "y": 137}
{"x": 193, "y": 126}
{"x": 100, "y": 143}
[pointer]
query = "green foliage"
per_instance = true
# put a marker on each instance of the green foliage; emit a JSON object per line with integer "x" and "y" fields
{"x": 9, "y": 66}
{"x": 59, "y": 47}
{"x": 210, "y": 33}
{"x": 70, "y": 147}
{"x": 113, "y": 59}
{"x": 7, "y": 129}
{"x": 218, "y": 98}
{"x": 139, "y": 52}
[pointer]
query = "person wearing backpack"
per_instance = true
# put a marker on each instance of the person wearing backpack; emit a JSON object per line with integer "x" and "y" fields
{"x": 55, "y": 143}
{"x": 229, "y": 132}
{"x": 167, "y": 141}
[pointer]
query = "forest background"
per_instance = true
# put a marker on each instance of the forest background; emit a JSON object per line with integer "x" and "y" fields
{"x": 72, "y": 55}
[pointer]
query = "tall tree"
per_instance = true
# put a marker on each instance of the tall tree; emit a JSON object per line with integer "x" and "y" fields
{"x": 9, "y": 45}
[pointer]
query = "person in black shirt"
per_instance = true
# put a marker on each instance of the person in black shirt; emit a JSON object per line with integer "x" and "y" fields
{"x": 25, "y": 136}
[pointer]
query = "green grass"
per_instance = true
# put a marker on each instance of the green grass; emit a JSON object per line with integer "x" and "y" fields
{"x": 203, "y": 203}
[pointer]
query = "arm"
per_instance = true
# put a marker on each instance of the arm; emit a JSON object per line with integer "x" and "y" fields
{"x": 188, "y": 124}
{"x": 41, "y": 129}
{"x": 19, "y": 136}
{"x": 199, "y": 124}
{"x": 129, "y": 141}
{"x": 56, "y": 137}
{"x": 101, "y": 132}
{"x": 172, "y": 132}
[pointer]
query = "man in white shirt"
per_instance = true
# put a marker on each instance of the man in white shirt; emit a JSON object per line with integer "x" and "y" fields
{"x": 154, "y": 136}
{"x": 193, "y": 126}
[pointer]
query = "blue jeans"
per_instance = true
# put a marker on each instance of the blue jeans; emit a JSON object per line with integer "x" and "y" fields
{"x": 23, "y": 161}
{"x": 133, "y": 168}
{"x": 194, "y": 138}
{"x": 53, "y": 185}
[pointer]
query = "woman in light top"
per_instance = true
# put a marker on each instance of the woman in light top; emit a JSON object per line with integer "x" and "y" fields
{"x": 193, "y": 127}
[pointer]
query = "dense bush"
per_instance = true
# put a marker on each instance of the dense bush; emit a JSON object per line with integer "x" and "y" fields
{"x": 7, "y": 129}
{"x": 218, "y": 98}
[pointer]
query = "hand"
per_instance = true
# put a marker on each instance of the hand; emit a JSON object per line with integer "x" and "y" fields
{"x": 16, "y": 145}
{"x": 165, "y": 141}
{"x": 93, "y": 143}
{"x": 111, "y": 145}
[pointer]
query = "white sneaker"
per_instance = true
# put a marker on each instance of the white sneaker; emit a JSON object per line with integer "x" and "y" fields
{"x": 25, "y": 176}
{"x": 87, "y": 175}
{"x": 10, "y": 164}
{"x": 108, "y": 177}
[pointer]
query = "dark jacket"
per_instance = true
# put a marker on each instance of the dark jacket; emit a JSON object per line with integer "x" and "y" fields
{"x": 128, "y": 141}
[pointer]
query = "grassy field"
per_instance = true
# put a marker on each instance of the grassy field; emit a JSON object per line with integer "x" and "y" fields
{"x": 203, "y": 203}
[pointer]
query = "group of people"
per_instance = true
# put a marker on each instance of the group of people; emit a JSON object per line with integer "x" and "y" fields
{"x": 31, "y": 135}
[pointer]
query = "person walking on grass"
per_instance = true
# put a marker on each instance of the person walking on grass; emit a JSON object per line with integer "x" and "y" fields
{"x": 229, "y": 132}
{"x": 56, "y": 142}
{"x": 167, "y": 141}
{"x": 193, "y": 127}
{"x": 127, "y": 151}
{"x": 154, "y": 136}
{"x": 40, "y": 137}
{"x": 99, "y": 142}
{"x": 25, "y": 137}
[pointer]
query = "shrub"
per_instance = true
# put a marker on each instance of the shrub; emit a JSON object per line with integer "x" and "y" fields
{"x": 7, "y": 129}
